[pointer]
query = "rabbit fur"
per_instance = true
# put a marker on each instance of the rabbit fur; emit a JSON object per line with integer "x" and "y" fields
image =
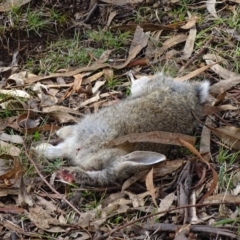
{"x": 156, "y": 104}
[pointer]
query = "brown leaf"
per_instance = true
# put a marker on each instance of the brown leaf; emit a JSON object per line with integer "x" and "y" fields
{"x": 111, "y": 16}
{"x": 150, "y": 186}
{"x": 224, "y": 85}
{"x": 193, "y": 73}
{"x": 215, "y": 175}
{"x": 212, "y": 187}
{"x": 13, "y": 173}
{"x": 167, "y": 167}
{"x": 193, "y": 150}
{"x": 63, "y": 117}
{"x": 105, "y": 56}
{"x": 133, "y": 179}
{"x": 221, "y": 71}
{"x": 156, "y": 136}
{"x": 24, "y": 198}
{"x": 9, "y": 149}
{"x": 205, "y": 142}
{"x": 166, "y": 203}
{"x": 229, "y": 135}
{"x": 9, "y": 4}
{"x": 28, "y": 120}
{"x": 170, "y": 43}
{"x": 189, "y": 45}
{"x": 191, "y": 22}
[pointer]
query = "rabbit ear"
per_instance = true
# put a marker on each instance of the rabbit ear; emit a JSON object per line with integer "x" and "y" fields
{"x": 145, "y": 158}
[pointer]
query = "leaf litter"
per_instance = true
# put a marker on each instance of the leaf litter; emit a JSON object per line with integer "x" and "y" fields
{"x": 183, "y": 191}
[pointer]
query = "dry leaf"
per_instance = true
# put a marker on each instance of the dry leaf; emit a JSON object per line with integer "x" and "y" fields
{"x": 9, "y": 4}
{"x": 11, "y": 138}
{"x": 24, "y": 198}
{"x": 191, "y": 22}
{"x": 170, "y": 43}
{"x": 156, "y": 136}
{"x": 229, "y": 135}
{"x": 167, "y": 167}
{"x": 210, "y": 4}
{"x": 15, "y": 93}
{"x": 224, "y": 85}
{"x": 105, "y": 56}
{"x": 150, "y": 186}
{"x": 222, "y": 72}
{"x": 166, "y": 203}
{"x": 13, "y": 173}
{"x": 9, "y": 149}
{"x": 193, "y": 73}
{"x": 205, "y": 142}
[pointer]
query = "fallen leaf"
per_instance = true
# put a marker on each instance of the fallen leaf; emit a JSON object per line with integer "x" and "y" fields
{"x": 193, "y": 73}
{"x": 63, "y": 117}
{"x": 224, "y": 85}
{"x": 166, "y": 203}
{"x": 13, "y": 173}
{"x": 205, "y": 142}
{"x": 188, "y": 48}
{"x": 105, "y": 56}
{"x": 11, "y": 138}
{"x": 150, "y": 186}
{"x": 43, "y": 94}
{"x": 156, "y": 136}
{"x": 221, "y": 71}
{"x": 191, "y": 22}
{"x": 229, "y": 135}
{"x": 210, "y": 4}
{"x": 9, "y": 149}
{"x": 9, "y": 4}
{"x": 15, "y": 93}
{"x": 170, "y": 43}
{"x": 24, "y": 198}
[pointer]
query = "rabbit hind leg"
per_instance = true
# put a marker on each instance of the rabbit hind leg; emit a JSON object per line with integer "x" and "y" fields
{"x": 52, "y": 152}
{"x": 65, "y": 132}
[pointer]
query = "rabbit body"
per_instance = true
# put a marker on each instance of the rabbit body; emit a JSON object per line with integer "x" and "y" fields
{"x": 157, "y": 104}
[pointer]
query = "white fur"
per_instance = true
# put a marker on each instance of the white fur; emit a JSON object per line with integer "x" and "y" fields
{"x": 203, "y": 91}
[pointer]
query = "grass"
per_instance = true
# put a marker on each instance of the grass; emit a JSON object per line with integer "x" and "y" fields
{"x": 33, "y": 21}
{"x": 108, "y": 40}
{"x": 64, "y": 53}
{"x": 226, "y": 160}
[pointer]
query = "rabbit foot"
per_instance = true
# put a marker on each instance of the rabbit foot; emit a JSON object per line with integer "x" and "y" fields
{"x": 74, "y": 175}
{"x": 65, "y": 132}
{"x": 48, "y": 151}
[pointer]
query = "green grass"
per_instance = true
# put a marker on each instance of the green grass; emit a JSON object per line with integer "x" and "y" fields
{"x": 33, "y": 21}
{"x": 63, "y": 53}
{"x": 107, "y": 39}
{"x": 226, "y": 159}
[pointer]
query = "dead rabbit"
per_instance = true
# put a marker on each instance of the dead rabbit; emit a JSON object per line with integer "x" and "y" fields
{"x": 156, "y": 104}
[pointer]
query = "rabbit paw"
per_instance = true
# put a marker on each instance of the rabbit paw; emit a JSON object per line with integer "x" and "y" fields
{"x": 47, "y": 150}
{"x": 74, "y": 175}
{"x": 65, "y": 132}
